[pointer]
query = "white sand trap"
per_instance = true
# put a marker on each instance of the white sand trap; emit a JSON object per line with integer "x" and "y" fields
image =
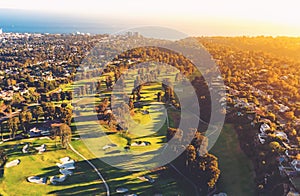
{"x": 13, "y": 163}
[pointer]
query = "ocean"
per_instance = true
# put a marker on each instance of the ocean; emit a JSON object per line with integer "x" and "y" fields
{"x": 21, "y": 21}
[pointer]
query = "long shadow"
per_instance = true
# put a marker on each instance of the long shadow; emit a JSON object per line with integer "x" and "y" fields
{"x": 82, "y": 175}
{"x": 92, "y": 189}
{"x": 86, "y": 118}
{"x": 16, "y": 149}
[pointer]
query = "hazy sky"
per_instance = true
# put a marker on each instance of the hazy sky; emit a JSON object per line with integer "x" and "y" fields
{"x": 211, "y": 17}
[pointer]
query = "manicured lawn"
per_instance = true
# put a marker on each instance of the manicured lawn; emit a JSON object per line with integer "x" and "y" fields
{"x": 164, "y": 183}
{"x": 152, "y": 128}
{"x": 144, "y": 127}
{"x": 237, "y": 175}
{"x": 83, "y": 181}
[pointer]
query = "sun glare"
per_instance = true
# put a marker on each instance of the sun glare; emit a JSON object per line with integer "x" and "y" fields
{"x": 277, "y": 17}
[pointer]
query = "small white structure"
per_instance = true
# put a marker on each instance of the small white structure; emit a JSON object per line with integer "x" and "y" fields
{"x": 37, "y": 180}
{"x": 282, "y": 135}
{"x": 107, "y": 146}
{"x": 13, "y": 163}
{"x": 69, "y": 165}
{"x": 146, "y": 178}
{"x": 283, "y": 108}
{"x": 64, "y": 159}
{"x": 121, "y": 190}
{"x": 262, "y": 138}
{"x": 296, "y": 164}
{"x": 264, "y": 127}
{"x": 66, "y": 163}
{"x": 1, "y": 31}
{"x": 25, "y": 148}
{"x": 55, "y": 179}
{"x": 66, "y": 172}
{"x": 41, "y": 148}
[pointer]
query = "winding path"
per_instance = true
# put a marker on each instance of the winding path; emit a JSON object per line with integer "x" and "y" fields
{"x": 179, "y": 172}
{"x": 94, "y": 167}
{"x": 187, "y": 179}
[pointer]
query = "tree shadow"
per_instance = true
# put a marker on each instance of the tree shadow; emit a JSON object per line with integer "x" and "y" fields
{"x": 92, "y": 189}
{"x": 83, "y": 181}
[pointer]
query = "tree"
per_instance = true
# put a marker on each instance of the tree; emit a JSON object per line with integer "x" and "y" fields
{"x": 22, "y": 118}
{"x": 190, "y": 155}
{"x": 38, "y": 112}
{"x": 109, "y": 82}
{"x": 171, "y": 133}
{"x": 276, "y": 147}
{"x": 65, "y": 134}
{"x": 200, "y": 142}
{"x": 102, "y": 106}
{"x": 3, "y": 157}
{"x": 13, "y": 126}
{"x": 130, "y": 104}
{"x": 1, "y": 129}
{"x": 213, "y": 176}
{"x": 207, "y": 172}
{"x": 66, "y": 115}
{"x": 63, "y": 131}
{"x": 49, "y": 110}
{"x": 98, "y": 86}
{"x": 28, "y": 117}
{"x": 159, "y": 97}
{"x": 289, "y": 115}
{"x": 69, "y": 95}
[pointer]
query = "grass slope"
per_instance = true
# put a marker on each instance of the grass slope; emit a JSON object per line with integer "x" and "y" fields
{"x": 236, "y": 169}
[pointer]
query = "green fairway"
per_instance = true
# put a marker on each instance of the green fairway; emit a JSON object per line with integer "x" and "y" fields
{"x": 147, "y": 127}
{"x": 165, "y": 182}
{"x": 237, "y": 174}
{"x": 84, "y": 181}
{"x": 144, "y": 127}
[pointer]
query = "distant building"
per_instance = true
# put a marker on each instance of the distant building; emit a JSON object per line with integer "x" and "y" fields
{"x": 132, "y": 34}
{"x": 1, "y": 31}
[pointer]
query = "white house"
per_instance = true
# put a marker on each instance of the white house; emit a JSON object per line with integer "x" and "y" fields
{"x": 296, "y": 164}
{"x": 283, "y": 108}
{"x": 262, "y": 138}
{"x": 264, "y": 127}
{"x": 281, "y": 135}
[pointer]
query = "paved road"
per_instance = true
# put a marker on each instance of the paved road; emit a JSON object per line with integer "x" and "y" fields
{"x": 93, "y": 166}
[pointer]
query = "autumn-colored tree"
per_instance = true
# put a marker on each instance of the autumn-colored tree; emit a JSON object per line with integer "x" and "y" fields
{"x": 3, "y": 157}
{"x": 289, "y": 115}
{"x": 37, "y": 112}
{"x": 190, "y": 155}
{"x": 171, "y": 133}
{"x": 13, "y": 126}
{"x": 65, "y": 134}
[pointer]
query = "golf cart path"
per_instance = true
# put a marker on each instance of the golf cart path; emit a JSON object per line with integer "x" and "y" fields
{"x": 94, "y": 167}
{"x": 179, "y": 172}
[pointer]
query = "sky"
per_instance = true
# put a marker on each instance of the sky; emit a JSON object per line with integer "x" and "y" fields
{"x": 194, "y": 17}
